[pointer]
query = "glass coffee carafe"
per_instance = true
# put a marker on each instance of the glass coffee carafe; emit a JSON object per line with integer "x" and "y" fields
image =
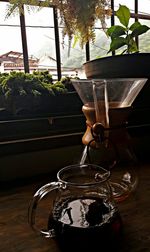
{"x": 82, "y": 213}
{"x": 107, "y": 104}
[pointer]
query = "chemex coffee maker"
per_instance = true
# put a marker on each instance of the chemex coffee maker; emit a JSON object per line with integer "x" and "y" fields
{"x": 107, "y": 104}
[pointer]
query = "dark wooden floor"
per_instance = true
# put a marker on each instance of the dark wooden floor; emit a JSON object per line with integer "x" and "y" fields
{"x": 17, "y": 236}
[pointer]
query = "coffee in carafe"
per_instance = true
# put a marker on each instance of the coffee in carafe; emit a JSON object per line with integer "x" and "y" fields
{"x": 84, "y": 215}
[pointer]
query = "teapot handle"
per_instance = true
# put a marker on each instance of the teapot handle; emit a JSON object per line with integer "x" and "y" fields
{"x": 43, "y": 191}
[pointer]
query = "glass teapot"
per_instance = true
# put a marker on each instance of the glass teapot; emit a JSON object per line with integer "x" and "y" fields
{"x": 83, "y": 214}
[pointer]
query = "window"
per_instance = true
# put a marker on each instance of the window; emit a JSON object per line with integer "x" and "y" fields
{"x": 10, "y": 31}
{"x": 129, "y": 3}
{"x": 37, "y": 41}
{"x": 72, "y": 57}
{"x": 144, "y": 40}
{"x": 41, "y": 39}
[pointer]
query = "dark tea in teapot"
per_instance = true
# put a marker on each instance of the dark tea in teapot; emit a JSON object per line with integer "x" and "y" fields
{"x": 86, "y": 224}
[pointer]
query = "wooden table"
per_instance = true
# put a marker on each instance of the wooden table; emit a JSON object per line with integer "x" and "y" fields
{"x": 17, "y": 236}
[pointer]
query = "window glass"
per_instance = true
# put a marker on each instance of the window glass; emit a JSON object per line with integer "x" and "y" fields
{"x": 13, "y": 20}
{"x": 39, "y": 17}
{"x": 144, "y": 6}
{"x": 41, "y": 39}
{"x": 10, "y": 31}
{"x": 72, "y": 57}
{"x": 128, "y": 3}
{"x": 144, "y": 39}
{"x": 101, "y": 45}
{"x": 77, "y": 55}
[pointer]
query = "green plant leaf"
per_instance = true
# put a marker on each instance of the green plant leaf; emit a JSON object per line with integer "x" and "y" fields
{"x": 116, "y": 31}
{"x": 117, "y": 43}
{"x": 123, "y": 14}
{"x": 129, "y": 32}
{"x": 139, "y": 30}
{"x": 76, "y": 39}
{"x": 132, "y": 46}
{"x": 134, "y": 26}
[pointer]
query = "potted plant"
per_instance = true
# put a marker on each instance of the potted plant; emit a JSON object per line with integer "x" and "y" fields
{"x": 130, "y": 63}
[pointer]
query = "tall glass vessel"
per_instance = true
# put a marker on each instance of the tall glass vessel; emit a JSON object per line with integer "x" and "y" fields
{"x": 107, "y": 104}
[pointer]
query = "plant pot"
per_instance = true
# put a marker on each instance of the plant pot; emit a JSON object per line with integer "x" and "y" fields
{"x": 68, "y": 103}
{"x": 27, "y": 106}
{"x": 123, "y": 66}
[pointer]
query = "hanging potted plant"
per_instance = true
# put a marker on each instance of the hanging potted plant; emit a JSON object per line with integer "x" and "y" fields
{"x": 130, "y": 63}
{"x": 78, "y": 17}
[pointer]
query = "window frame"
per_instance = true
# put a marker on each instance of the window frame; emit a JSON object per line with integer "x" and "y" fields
{"x": 135, "y": 15}
{"x": 57, "y": 136}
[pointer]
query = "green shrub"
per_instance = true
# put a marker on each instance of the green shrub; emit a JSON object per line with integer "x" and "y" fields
{"x": 36, "y": 84}
{"x": 67, "y": 83}
{"x": 59, "y": 88}
{"x": 44, "y": 76}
